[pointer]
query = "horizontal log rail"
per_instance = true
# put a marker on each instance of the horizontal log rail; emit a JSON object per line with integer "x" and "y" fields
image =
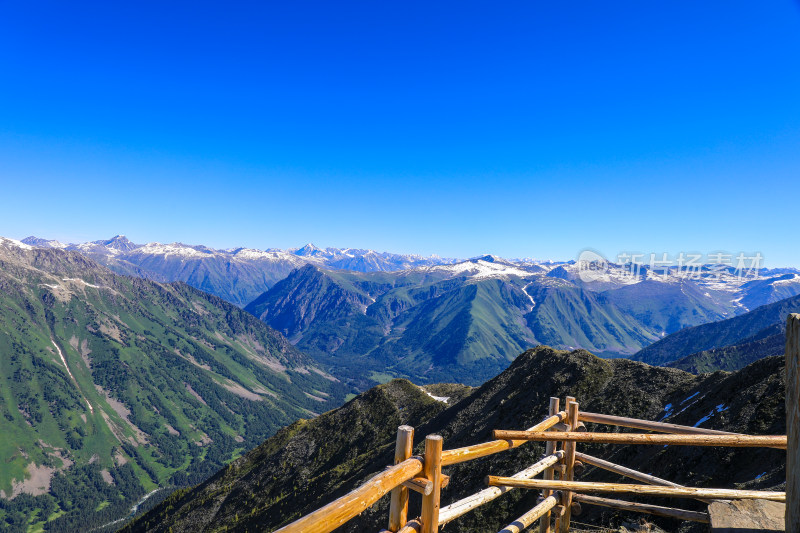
{"x": 733, "y": 441}
{"x": 646, "y": 490}
{"x": 637, "y": 423}
{"x": 465, "y": 505}
{"x": 468, "y": 453}
{"x": 336, "y": 513}
{"x": 661, "y": 427}
{"x": 668, "y": 512}
{"x": 534, "y": 514}
{"x": 410, "y": 473}
{"x": 622, "y": 470}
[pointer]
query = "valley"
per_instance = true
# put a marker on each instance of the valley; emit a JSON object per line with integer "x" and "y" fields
{"x": 125, "y": 379}
{"x": 114, "y": 386}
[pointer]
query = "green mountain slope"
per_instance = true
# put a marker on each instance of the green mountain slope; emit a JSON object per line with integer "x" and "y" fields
{"x": 670, "y": 307}
{"x": 718, "y": 334}
{"x": 295, "y": 472}
{"x": 113, "y": 386}
{"x": 771, "y": 341}
{"x": 440, "y": 324}
{"x": 566, "y": 316}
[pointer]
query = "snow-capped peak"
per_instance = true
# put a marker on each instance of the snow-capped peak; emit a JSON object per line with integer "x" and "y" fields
{"x": 309, "y": 250}
{"x": 118, "y": 242}
{"x": 38, "y": 242}
{"x": 479, "y": 268}
{"x": 14, "y": 243}
{"x": 175, "y": 249}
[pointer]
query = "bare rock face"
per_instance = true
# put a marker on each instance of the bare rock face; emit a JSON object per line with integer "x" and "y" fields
{"x": 746, "y": 516}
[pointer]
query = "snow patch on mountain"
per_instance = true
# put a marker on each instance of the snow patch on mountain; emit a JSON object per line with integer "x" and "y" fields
{"x": 174, "y": 249}
{"x": 36, "y": 242}
{"x": 482, "y": 269}
{"x": 14, "y": 243}
{"x": 794, "y": 279}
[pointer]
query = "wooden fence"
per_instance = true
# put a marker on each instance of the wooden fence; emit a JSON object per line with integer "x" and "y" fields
{"x": 561, "y": 495}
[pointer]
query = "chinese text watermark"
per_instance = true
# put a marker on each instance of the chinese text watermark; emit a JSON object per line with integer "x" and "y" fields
{"x": 714, "y": 266}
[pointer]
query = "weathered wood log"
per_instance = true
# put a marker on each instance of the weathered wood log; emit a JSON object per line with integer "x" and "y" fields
{"x": 550, "y": 448}
{"x": 398, "y": 507}
{"x": 569, "y": 463}
{"x": 465, "y": 505}
{"x": 412, "y": 526}
{"x": 792, "y": 517}
{"x": 629, "y": 472}
{"x": 562, "y": 446}
{"x": 649, "y": 490}
{"x": 433, "y": 472}
{"x": 336, "y": 513}
{"x": 657, "y": 510}
{"x": 468, "y": 453}
{"x": 531, "y": 516}
{"x": 420, "y": 485}
{"x": 623, "y": 470}
{"x": 424, "y": 486}
{"x": 637, "y": 423}
{"x": 733, "y": 441}
{"x": 575, "y": 506}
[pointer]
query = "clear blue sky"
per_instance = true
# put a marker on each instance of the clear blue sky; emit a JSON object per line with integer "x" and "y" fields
{"x": 517, "y": 128}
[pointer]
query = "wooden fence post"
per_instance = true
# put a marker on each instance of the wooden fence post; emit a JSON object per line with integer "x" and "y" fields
{"x": 550, "y": 448}
{"x": 569, "y": 461}
{"x": 563, "y": 446}
{"x": 793, "y": 422}
{"x": 398, "y": 508}
{"x": 432, "y": 471}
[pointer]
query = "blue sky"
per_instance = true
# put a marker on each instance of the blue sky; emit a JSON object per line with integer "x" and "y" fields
{"x": 521, "y": 129}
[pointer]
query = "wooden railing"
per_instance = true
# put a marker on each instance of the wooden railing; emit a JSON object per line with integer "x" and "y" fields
{"x": 561, "y": 495}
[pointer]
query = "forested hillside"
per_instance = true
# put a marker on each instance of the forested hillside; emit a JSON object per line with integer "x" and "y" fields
{"x": 113, "y": 387}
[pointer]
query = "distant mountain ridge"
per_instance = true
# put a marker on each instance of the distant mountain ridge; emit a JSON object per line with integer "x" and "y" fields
{"x": 767, "y": 342}
{"x": 760, "y": 323}
{"x": 371, "y": 316}
{"x": 237, "y": 275}
{"x": 467, "y": 320}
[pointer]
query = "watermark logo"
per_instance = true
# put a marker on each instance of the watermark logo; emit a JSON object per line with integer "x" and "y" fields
{"x": 714, "y": 266}
{"x": 592, "y": 266}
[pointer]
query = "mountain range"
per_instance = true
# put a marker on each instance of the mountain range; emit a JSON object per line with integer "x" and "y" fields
{"x": 427, "y": 318}
{"x": 368, "y": 316}
{"x": 468, "y": 320}
{"x": 114, "y": 386}
{"x": 237, "y": 275}
{"x": 312, "y": 462}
